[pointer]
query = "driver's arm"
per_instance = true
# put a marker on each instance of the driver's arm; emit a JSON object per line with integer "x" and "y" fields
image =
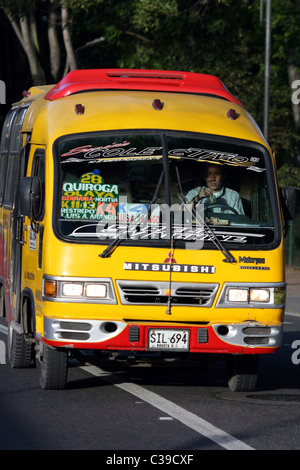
{"x": 237, "y": 204}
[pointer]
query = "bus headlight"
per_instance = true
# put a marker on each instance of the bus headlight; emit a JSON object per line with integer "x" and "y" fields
{"x": 238, "y": 295}
{"x": 95, "y": 290}
{"x": 248, "y": 295}
{"x": 86, "y": 290}
{"x": 70, "y": 289}
{"x": 259, "y": 295}
{"x": 76, "y": 289}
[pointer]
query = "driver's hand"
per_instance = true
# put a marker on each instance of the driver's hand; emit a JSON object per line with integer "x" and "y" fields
{"x": 205, "y": 192}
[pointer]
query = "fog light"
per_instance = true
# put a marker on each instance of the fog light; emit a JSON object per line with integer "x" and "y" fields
{"x": 259, "y": 295}
{"x": 95, "y": 290}
{"x": 238, "y": 295}
{"x": 71, "y": 289}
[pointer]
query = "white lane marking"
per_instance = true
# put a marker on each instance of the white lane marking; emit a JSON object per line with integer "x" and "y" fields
{"x": 191, "y": 420}
{"x": 4, "y": 329}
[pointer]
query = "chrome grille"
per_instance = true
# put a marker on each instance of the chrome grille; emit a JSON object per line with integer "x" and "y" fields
{"x": 148, "y": 292}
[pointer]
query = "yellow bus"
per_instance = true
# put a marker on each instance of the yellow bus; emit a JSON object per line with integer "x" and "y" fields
{"x": 141, "y": 216}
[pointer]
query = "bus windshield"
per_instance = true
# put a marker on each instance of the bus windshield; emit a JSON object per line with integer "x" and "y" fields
{"x": 126, "y": 185}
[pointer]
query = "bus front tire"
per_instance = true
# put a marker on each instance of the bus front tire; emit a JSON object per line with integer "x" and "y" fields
{"x": 242, "y": 373}
{"x": 19, "y": 351}
{"x": 53, "y": 367}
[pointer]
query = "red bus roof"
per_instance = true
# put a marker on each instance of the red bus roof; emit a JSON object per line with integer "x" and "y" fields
{"x": 146, "y": 80}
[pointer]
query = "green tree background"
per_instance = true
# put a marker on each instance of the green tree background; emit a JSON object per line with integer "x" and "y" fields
{"x": 44, "y": 39}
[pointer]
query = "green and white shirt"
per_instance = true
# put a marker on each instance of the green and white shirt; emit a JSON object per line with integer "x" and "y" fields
{"x": 225, "y": 197}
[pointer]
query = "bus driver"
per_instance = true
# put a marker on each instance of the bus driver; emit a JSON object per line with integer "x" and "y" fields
{"x": 216, "y": 197}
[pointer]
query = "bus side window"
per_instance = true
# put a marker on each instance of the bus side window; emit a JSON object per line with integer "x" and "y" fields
{"x": 38, "y": 169}
{"x": 5, "y": 138}
{"x": 13, "y": 158}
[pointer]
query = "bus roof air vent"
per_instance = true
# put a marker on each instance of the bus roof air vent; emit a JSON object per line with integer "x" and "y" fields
{"x": 79, "y": 81}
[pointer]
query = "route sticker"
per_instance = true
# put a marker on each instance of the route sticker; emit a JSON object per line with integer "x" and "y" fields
{"x": 90, "y": 198}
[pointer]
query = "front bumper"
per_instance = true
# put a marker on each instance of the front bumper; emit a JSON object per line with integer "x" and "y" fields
{"x": 239, "y": 338}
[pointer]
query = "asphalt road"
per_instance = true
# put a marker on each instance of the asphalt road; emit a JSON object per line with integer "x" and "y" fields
{"x": 119, "y": 407}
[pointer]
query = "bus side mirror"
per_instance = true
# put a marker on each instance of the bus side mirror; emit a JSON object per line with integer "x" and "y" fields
{"x": 31, "y": 197}
{"x": 289, "y": 199}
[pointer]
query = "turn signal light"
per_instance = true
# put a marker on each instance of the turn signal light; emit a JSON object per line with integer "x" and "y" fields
{"x": 50, "y": 288}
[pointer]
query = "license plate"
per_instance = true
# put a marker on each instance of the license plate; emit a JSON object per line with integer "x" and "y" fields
{"x": 168, "y": 340}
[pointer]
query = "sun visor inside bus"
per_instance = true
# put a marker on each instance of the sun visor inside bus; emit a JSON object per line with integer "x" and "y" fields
{"x": 145, "y": 80}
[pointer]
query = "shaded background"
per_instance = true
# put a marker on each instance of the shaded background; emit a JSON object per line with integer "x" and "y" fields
{"x": 41, "y": 40}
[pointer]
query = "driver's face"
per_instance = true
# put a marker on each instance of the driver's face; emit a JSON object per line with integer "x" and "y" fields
{"x": 213, "y": 178}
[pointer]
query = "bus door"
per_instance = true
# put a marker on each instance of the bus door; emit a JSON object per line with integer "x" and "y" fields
{"x": 31, "y": 234}
{"x": 10, "y": 208}
{"x": 5, "y": 139}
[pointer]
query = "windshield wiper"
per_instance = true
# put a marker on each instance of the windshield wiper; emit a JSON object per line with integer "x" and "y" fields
{"x": 111, "y": 247}
{"x": 229, "y": 258}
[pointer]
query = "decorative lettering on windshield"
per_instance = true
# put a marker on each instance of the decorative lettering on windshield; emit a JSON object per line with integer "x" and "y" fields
{"x": 88, "y": 152}
{"x": 89, "y": 198}
{"x": 87, "y": 149}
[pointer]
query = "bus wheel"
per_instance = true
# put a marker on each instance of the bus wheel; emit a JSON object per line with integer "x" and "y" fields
{"x": 20, "y": 352}
{"x": 242, "y": 373}
{"x": 53, "y": 365}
